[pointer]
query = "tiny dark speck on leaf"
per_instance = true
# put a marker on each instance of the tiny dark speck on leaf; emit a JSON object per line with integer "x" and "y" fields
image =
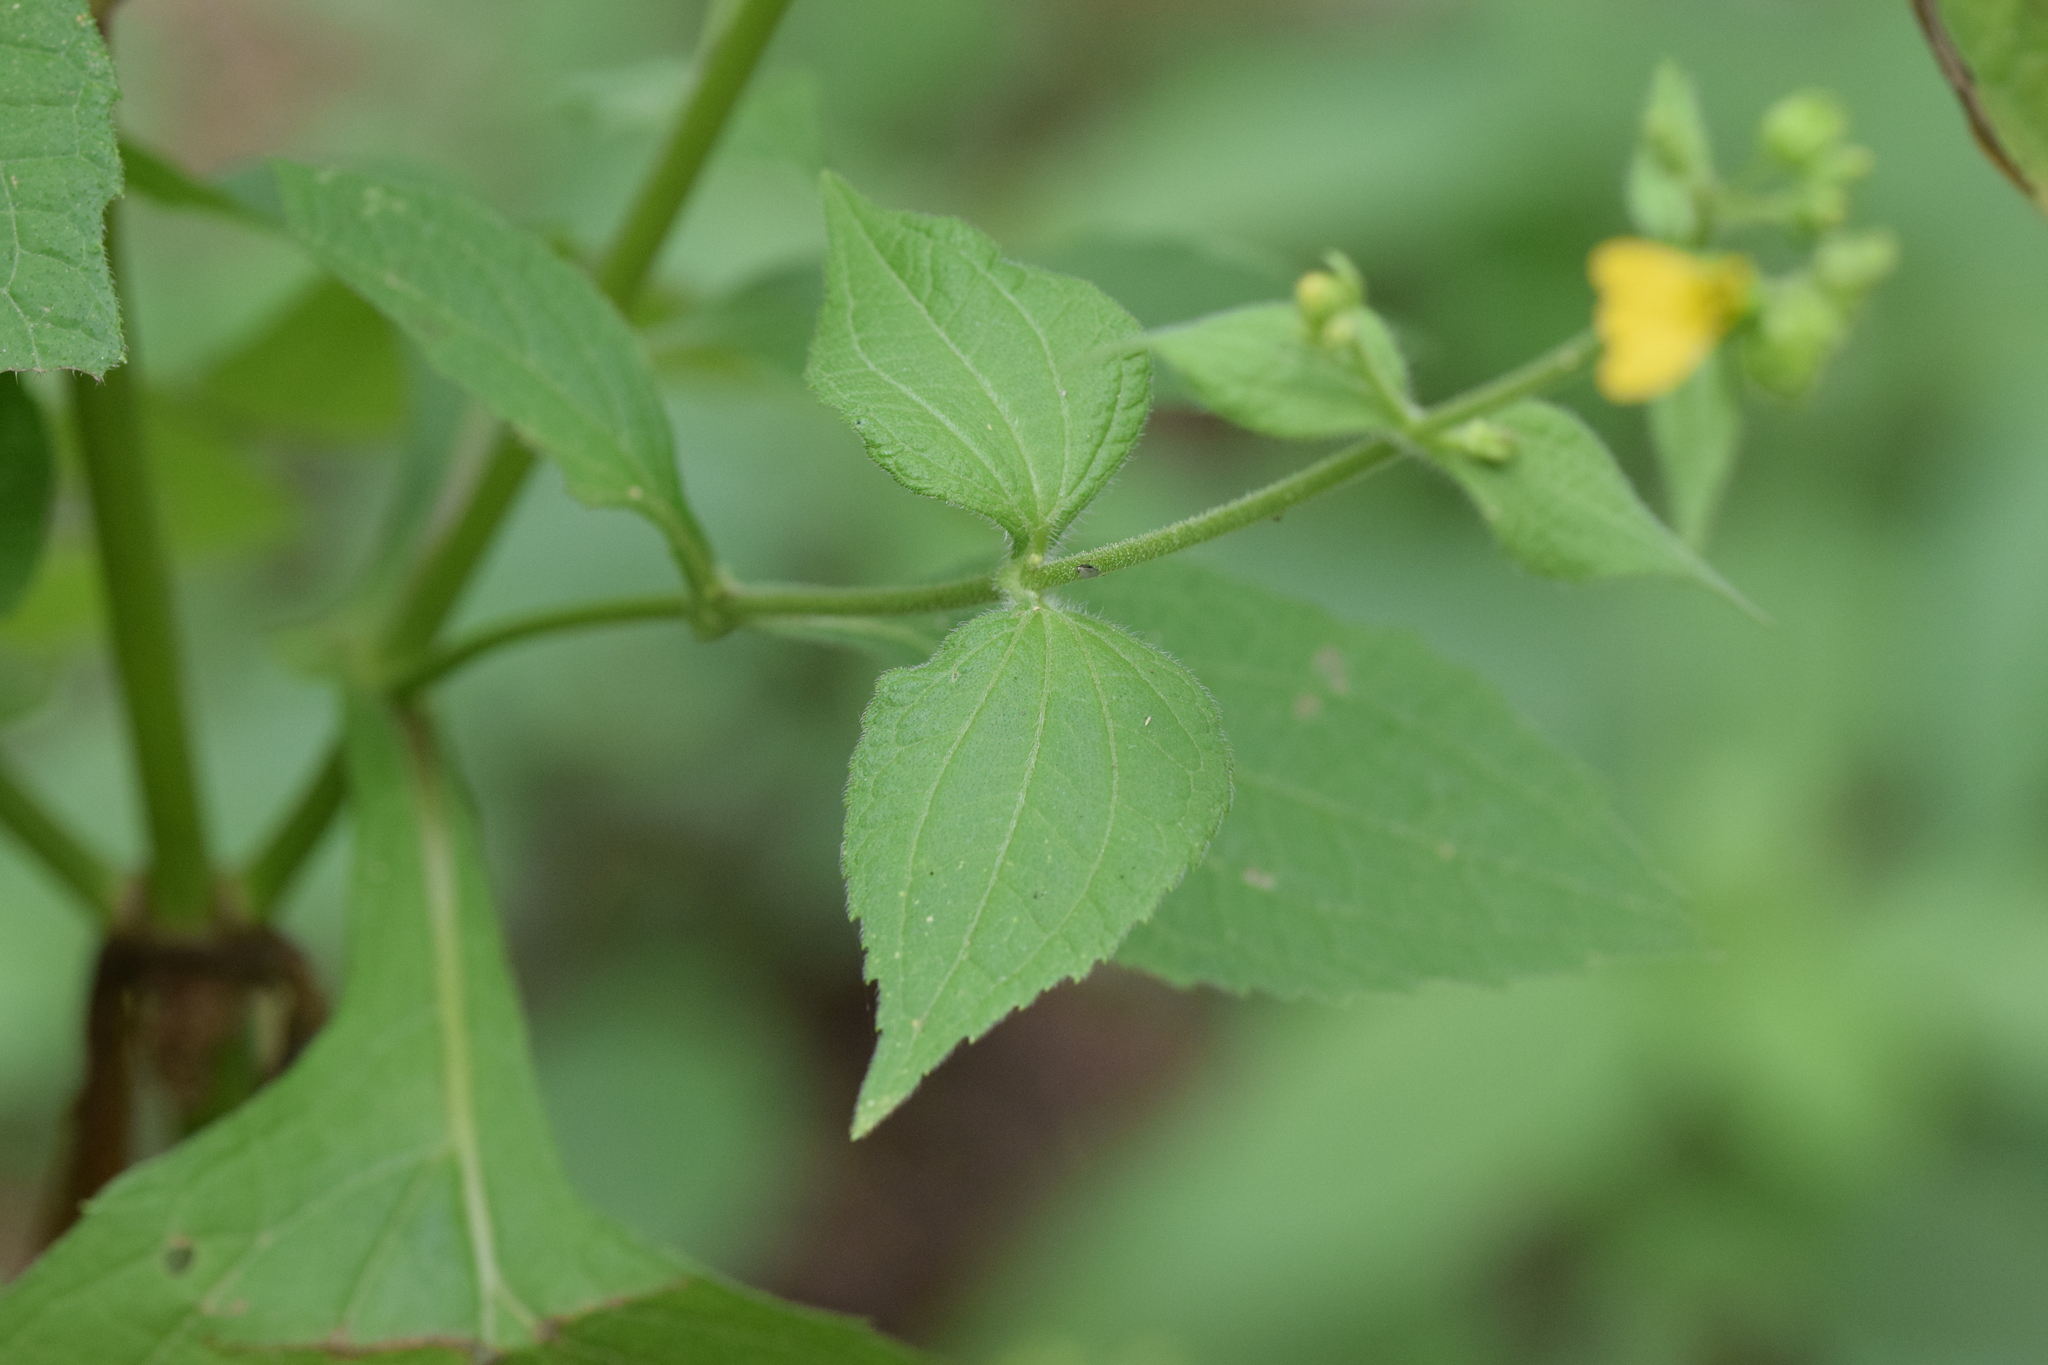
{"x": 178, "y": 1255}
{"x": 1087, "y": 571}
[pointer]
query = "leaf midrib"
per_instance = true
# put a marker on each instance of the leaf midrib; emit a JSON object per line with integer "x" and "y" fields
{"x": 458, "y": 1089}
{"x": 988, "y": 390}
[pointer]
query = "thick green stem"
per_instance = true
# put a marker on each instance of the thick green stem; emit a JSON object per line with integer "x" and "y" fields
{"x": 142, "y": 627}
{"x": 725, "y": 60}
{"x": 78, "y": 867}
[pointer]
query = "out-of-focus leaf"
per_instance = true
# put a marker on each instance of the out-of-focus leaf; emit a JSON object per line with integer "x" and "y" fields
{"x": 395, "y": 1196}
{"x": 27, "y": 486}
{"x": 999, "y": 387}
{"x": 1671, "y": 176}
{"x": 779, "y": 121}
{"x": 1696, "y": 430}
{"x": 1557, "y": 502}
{"x": 706, "y": 1322}
{"x": 1995, "y": 55}
{"x": 396, "y": 1186}
{"x": 328, "y": 367}
{"x": 24, "y": 682}
{"x": 899, "y": 642}
{"x": 1257, "y": 367}
{"x": 216, "y": 499}
{"x": 1394, "y": 821}
{"x": 496, "y": 311}
{"x": 60, "y": 169}
{"x": 1337, "y": 1170}
{"x": 157, "y": 178}
{"x": 62, "y": 604}
{"x": 762, "y": 326}
{"x": 1015, "y": 805}
{"x": 1164, "y": 280}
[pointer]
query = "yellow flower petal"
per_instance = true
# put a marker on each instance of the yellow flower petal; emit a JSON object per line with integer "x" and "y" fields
{"x": 1661, "y": 312}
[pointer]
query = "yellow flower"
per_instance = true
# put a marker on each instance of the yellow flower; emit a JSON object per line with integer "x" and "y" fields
{"x": 1661, "y": 312}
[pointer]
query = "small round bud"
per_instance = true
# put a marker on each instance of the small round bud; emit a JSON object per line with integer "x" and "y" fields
{"x": 1341, "y": 330}
{"x": 1802, "y": 127}
{"x": 1325, "y": 295}
{"x": 1797, "y": 330}
{"x": 1320, "y": 296}
{"x": 1849, "y": 264}
{"x": 1822, "y": 205}
{"x": 1845, "y": 164}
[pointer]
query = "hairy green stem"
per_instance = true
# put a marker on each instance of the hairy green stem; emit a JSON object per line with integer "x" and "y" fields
{"x": 1325, "y": 474}
{"x": 751, "y": 602}
{"x": 142, "y": 628}
{"x": 1257, "y": 505}
{"x": 81, "y": 870}
{"x": 1554, "y": 366}
{"x": 726, "y": 60}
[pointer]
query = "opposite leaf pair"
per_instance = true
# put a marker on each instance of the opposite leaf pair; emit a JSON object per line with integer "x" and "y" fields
{"x": 1020, "y": 805}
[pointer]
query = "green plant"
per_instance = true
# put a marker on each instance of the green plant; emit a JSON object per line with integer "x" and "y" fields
{"x": 1048, "y": 790}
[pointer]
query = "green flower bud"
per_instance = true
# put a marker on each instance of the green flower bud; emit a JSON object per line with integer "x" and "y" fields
{"x": 1849, "y": 264}
{"x": 1846, "y": 164}
{"x": 1797, "y": 329}
{"x": 1480, "y": 439}
{"x": 1821, "y": 206}
{"x": 1320, "y": 296}
{"x": 1800, "y": 128}
{"x": 1325, "y": 295}
{"x": 1340, "y": 331}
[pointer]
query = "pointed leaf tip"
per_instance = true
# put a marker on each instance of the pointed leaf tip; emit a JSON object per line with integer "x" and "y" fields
{"x": 1014, "y": 806}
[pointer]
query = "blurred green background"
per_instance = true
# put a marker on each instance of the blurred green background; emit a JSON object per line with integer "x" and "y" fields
{"x": 1829, "y": 1143}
